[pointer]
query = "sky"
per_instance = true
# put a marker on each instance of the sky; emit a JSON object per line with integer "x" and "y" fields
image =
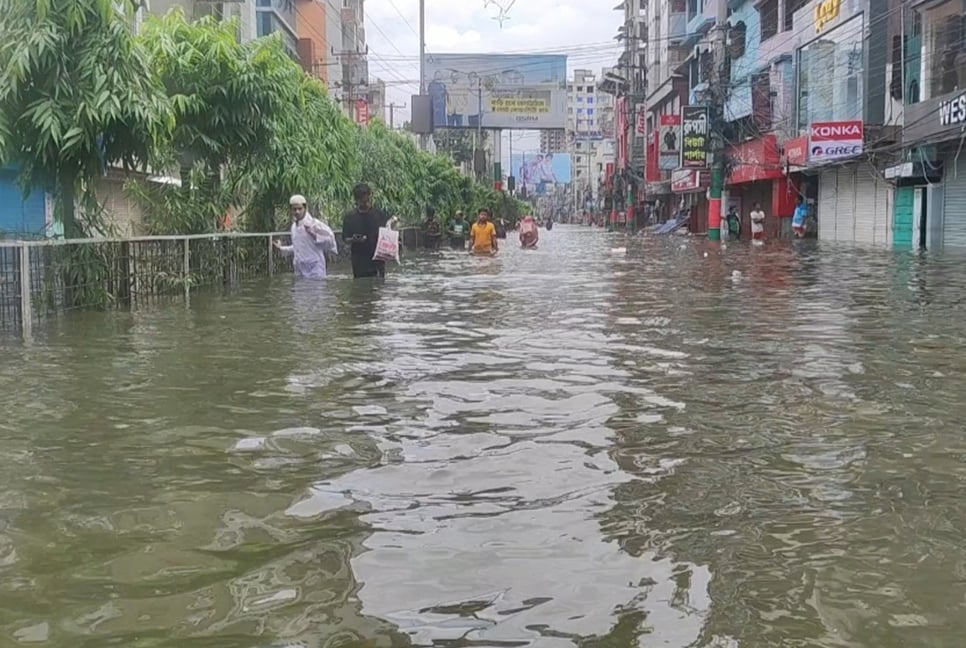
{"x": 582, "y": 29}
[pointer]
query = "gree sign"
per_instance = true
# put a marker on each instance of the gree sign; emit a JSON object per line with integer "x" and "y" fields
{"x": 825, "y": 12}
{"x": 829, "y": 141}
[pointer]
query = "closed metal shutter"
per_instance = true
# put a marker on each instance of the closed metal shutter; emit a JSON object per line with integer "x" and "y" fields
{"x": 827, "y": 205}
{"x": 873, "y": 206}
{"x": 954, "y": 204}
{"x": 855, "y": 206}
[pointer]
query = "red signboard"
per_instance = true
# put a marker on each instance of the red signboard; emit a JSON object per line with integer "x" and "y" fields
{"x": 362, "y": 112}
{"x": 652, "y": 170}
{"x": 641, "y": 119}
{"x": 796, "y": 151}
{"x": 755, "y": 160}
{"x": 689, "y": 180}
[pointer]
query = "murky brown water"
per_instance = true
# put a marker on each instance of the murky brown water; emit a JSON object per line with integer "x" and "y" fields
{"x": 574, "y": 446}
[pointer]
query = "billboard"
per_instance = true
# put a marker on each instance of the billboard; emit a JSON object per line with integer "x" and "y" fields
{"x": 497, "y": 90}
{"x": 669, "y": 142}
{"x": 694, "y": 144}
{"x": 538, "y": 172}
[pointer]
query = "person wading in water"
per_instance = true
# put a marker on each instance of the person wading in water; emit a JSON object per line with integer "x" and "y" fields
{"x": 360, "y": 229}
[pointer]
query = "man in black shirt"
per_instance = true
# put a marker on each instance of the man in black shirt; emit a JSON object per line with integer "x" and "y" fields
{"x": 360, "y": 229}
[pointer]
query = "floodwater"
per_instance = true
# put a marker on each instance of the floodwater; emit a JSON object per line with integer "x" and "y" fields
{"x": 603, "y": 443}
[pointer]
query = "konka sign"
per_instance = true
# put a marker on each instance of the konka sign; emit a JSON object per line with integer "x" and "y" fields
{"x": 830, "y": 141}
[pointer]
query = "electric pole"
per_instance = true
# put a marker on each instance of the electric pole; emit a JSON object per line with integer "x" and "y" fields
{"x": 392, "y": 113}
{"x": 423, "y": 139}
{"x": 716, "y": 121}
{"x": 347, "y": 69}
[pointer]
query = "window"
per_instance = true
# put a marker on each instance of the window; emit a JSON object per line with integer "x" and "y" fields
{"x": 580, "y": 88}
{"x": 590, "y": 111}
{"x": 791, "y": 6}
{"x": 580, "y": 111}
{"x": 736, "y": 39}
{"x": 590, "y": 100}
{"x": 768, "y": 13}
{"x": 830, "y": 72}
{"x": 944, "y": 45}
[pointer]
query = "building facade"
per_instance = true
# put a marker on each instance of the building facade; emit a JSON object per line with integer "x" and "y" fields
{"x": 590, "y": 139}
{"x": 930, "y": 201}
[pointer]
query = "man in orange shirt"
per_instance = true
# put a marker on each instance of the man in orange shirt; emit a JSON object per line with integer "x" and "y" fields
{"x": 483, "y": 235}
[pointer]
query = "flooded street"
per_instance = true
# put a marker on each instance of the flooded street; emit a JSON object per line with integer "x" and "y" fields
{"x": 580, "y": 445}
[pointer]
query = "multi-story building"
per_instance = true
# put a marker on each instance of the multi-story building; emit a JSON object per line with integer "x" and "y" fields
{"x": 666, "y": 92}
{"x": 801, "y": 101}
{"x": 625, "y": 182}
{"x": 589, "y": 134}
{"x": 278, "y": 17}
{"x": 553, "y": 140}
{"x": 376, "y": 98}
{"x": 311, "y": 19}
{"x": 930, "y": 199}
{"x": 353, "y": 55}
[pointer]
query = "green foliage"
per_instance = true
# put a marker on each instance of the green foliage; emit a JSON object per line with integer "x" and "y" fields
{"x": 243, "y": 123}
{"x": 76, "y": 94}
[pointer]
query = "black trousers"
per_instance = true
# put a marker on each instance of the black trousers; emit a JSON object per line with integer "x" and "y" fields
{"x": 365, "y": 268}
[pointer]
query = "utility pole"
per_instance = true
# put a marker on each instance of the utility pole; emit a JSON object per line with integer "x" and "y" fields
{"x": 392, "y": 113}
{"x": 347, "y": 84}
{"x": 423, "y": 139}
{"x": 715, "y": 119}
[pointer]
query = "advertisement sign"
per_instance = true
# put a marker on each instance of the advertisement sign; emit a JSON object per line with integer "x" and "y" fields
{"x": 690, "y": 180}
{"x": 641, "y": 119}
{"x": 829, "y": 141}
{"x": 670, "y": 142}
{"x": 498, "y": 90}
{"x": 539, "y": 172}
{"x": 695, "y": 143}
{"x": 796, "y": 151}
{"x": 755, "y": 160}
{"x": 362, "y": 112}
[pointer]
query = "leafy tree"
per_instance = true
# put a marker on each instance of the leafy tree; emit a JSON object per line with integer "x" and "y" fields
{"x": 76, "y": 95}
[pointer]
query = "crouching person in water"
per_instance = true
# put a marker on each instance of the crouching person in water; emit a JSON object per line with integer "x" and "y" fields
{"x": 311, "y": 241}
{"x": 360, "y": 229}
{"x": 529, "y": 232}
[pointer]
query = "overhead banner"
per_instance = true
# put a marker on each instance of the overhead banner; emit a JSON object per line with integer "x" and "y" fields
{"x": 498, "y": 90}
{"x": 695, "y": 145}
{"x": 669, "y": 145}
{"x": 830, "y": 141}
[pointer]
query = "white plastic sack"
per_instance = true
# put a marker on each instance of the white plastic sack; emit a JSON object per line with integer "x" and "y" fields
{"x": 323, "y": 235}
{"x": 387, "y": 245}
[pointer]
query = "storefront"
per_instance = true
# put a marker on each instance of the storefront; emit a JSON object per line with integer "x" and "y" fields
{"x": 756, "y": 176}
{"x": 690, "y": 189}
{"x": 939, "y": 208}
{"x": 854, "y": 205}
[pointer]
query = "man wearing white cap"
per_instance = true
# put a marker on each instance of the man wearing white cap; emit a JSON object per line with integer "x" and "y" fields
{"x": 311, "y": 240}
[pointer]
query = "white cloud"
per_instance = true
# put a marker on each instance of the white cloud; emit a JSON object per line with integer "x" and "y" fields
{"x": 582, "y": 29}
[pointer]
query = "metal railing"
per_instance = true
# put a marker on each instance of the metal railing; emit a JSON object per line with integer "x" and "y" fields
{"x": 43, "y": 279}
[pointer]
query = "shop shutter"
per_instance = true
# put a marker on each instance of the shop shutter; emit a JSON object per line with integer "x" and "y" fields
{"x": 954, "y": 205}
{"x": 873, "y": 206}
{"x": 827, "y": 205}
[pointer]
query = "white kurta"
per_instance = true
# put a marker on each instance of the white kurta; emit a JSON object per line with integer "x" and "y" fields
{"x": 311, "y": 240}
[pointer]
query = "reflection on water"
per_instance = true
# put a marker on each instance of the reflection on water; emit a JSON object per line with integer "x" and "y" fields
{"x": 604, "y": 442}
